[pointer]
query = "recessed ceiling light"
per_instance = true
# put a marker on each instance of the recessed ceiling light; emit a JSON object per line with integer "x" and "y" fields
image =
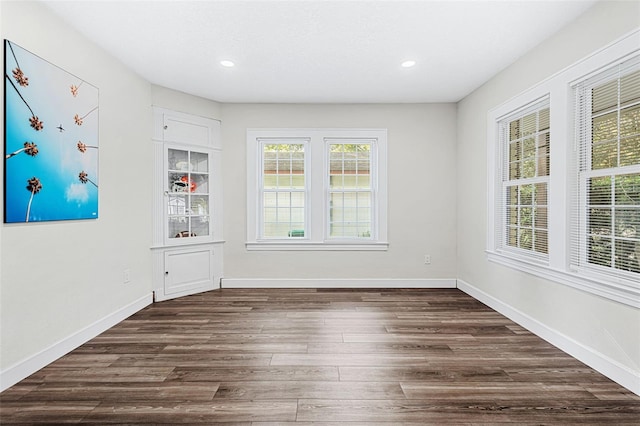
{"x": 227, "y": 64}
{"x": 408, "y": 64}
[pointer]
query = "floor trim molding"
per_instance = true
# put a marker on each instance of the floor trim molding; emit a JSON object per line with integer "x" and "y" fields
{"x": 25, "y": 368}
{"x": 337, "y": 283}
{"x": 598, "y": 361}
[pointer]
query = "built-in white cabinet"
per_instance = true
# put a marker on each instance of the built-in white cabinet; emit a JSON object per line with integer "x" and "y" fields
{"x": 187, "y": 200}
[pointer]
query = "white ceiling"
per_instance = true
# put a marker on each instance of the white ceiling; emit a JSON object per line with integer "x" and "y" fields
{"x": 319, "y": 51}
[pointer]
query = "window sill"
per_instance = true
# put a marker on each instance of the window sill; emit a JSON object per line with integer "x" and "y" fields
{"x": 316, "y": 246}
{"x": 627, "y": 293}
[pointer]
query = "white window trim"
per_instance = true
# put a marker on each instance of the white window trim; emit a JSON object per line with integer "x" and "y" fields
{"x": 503, "y": 167}
{"x": 559, "y": 89}
{"x": 316, "y": 161}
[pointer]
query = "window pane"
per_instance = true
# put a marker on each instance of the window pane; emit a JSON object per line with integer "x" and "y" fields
{"x": 544, "y": 119}
{"x": 283, "y": 214}
{"x": 514, "y": 151}
{"x": 540, "y": 217}
{"x": 529, "y": 124}
{"x": 284, "y": 199}
{"x": 297, "y": 181}
{"x": 628, "y": 223}
{"x": 541, "y": 242}
{"x": 541, "y": 194}
{"x": 297, "y": 215}
{"x": 270, "y": 215}
{"x": 200, "y": 205}
{"x": 512, "y": 195}
{"x": 605, "y": 128}
{"x": 349, "y": 199}
{"x": 199, "y": 226}
{"x": 514, "y": 171}
{"x": 525, "y": 239}
{"x": 269, "y": 199}
{"x": 604, "y": 96}
{"x": 600, "y": 191}
{"x": 529, "y": 168}
{"x": 270, "y": 182}
{"x": 526, "y": 216}
{"x": 336, "y": 182}
{"x": 363, "y": 182}
{"x": 630, "y": 151}
{"x": 512, "y": 213}
{"x": 178, "y": 160}
{"x": 297, "y": 199}
{"x": 600, "y": 222}
{"x": 630, "y": 121}
{"x": 199, "y": 162}
{"x": 514, "y": 130}
{"x": 543, "y": 154}
{"x": 626, "y": 256}
{"x": 364, "y": 215}
{"x": 526, "y": 194}
{"x": 529, "y": 148}
{"x": 177, "y": 204}
{"x": 630, "y": 88}
{"x": 604, "y": 155}
{"x": 628, "y": 189}
{"x": 512, "y": 236}
{"x": 600, "y": 250}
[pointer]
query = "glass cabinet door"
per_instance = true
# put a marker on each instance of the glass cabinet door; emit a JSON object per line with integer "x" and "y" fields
{"x": 187, "y": 194}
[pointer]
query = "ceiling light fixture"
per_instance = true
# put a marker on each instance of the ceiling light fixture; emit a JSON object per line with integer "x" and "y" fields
{"x": 408, "y": 64}
{"x": 227, "y": 64}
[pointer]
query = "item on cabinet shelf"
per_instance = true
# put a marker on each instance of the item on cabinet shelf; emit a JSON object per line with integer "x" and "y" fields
{"x": 191, "y": 182}
{"x": 185, "y": 234}
{"x": 181, "y": 185}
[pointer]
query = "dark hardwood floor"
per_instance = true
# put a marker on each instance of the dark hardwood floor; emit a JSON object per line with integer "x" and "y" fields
{"x": 252, "y": 357}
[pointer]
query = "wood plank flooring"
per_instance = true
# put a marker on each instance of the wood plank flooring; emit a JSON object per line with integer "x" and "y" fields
{"x": 277, "y": 357}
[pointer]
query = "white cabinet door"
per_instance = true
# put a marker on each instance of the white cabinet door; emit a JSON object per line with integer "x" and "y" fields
{"x": 188, "y": 272}
{"x": 188, "y": 131}
{"x": 174, "y": 126}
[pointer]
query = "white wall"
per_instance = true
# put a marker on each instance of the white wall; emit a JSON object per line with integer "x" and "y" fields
{"x": 604, "y": 332}
{"x": 421, "y": 166}
{"x": 58, "y": 278}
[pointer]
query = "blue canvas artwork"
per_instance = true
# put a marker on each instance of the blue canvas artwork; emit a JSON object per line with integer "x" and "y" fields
{"x": 51, "y": 141}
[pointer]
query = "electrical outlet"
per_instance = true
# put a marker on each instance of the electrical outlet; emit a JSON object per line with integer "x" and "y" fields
{"x": 427, "y": 259}
{"x": 126, "y": 275}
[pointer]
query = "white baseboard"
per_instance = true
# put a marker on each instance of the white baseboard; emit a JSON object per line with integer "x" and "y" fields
{"x": 599, "y": 362}
{"x": 337, "y": 283}
{"x": 25, "y": 368}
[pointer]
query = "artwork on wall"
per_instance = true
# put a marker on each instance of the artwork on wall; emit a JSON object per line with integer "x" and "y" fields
{"x": 50, "y": 141}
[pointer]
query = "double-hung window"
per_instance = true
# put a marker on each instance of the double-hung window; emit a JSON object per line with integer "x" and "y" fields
{"x": 524, "y": 157}
{"x": 563, "y": 168}
{"x": 316, "y": 189}
{"x": 283, "y": 188}
{"x": 350, "y": 190}
{"x": 606, "y": 234}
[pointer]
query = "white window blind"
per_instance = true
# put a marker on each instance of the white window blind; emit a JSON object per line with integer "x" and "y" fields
{"x": 605, "y": 237}
{"x": 524, "y": 139}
